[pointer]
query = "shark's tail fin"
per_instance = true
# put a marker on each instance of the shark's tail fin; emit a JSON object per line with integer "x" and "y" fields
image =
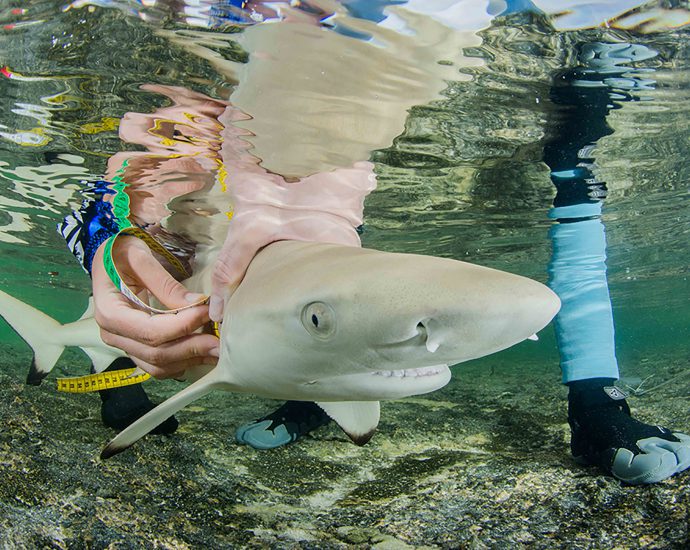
{"x": 36, "y": 329}
{"x": 153, "y": 418}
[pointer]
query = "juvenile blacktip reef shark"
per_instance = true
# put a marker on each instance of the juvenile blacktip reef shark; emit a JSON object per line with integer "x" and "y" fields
{"x": 339, "y": 325}
{"x": 346, "y": 327}
{"x": 328, "y": 321}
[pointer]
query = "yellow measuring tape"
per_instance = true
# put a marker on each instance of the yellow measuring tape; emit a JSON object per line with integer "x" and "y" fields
{"x": 120, "y": 378}
{"x": 153, "y": 244}
{"x": 101, "y": 381}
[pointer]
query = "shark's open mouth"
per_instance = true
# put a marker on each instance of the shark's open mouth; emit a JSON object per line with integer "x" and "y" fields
{"x": 412, "y": 373}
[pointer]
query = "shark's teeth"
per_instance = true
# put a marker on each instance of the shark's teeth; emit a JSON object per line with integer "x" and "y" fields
{"x": 411, "y": 373}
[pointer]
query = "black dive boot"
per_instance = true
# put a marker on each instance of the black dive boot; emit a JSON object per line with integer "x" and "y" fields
{"x": 605, "y": 434}
{"x": 121, "y": 407}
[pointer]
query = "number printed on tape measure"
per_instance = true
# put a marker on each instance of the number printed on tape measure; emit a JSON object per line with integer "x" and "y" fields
{"x": 101, "y": 381}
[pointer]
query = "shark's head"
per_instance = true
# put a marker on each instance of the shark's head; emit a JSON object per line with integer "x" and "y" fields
{"x": 324, "y": 322}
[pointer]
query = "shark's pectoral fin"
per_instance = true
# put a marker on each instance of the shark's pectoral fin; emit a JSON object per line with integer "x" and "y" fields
{"x": 358, "y": 419}
{"x": 162, "y": 412}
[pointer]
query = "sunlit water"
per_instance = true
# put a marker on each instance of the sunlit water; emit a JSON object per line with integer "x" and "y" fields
{"x": 460, "y": 176}
{"x": 454, "y": 120}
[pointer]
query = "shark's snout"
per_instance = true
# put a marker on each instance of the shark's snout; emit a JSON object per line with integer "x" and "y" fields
{"x": 461, "y": 312}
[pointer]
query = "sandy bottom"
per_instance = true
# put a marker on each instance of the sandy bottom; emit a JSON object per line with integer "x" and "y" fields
{"x": 482, "y": 464}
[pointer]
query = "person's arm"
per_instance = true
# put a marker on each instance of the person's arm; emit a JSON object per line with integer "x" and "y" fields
{"x": 163, "y": 345}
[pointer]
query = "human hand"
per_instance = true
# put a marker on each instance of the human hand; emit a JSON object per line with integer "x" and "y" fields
{"x": 162, "y": 345}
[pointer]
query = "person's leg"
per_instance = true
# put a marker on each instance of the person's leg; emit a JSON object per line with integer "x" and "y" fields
{"x": 121, "y": 407}
{"x": 603, "y": 431}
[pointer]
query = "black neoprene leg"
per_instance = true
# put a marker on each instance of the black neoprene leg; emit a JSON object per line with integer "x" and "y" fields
{"x": 121, "y": 407}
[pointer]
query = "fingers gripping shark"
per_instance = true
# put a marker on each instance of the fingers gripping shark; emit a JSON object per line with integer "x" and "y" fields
{"x": 346, "y": 327}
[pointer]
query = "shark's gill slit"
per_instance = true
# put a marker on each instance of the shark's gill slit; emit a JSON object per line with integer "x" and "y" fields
{"x": 430, "y": 343}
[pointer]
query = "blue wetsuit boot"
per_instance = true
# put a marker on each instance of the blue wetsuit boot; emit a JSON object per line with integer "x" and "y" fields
{"x": 603, "y": 431}
{"x": 284, "y": 425}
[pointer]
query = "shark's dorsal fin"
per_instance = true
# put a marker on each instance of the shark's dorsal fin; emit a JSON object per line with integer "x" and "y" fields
{"x": 358, "y": 419}
{"x": 162, "y": 412}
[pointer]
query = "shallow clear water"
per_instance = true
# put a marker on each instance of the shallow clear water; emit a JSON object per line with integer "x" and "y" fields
{"x": 455, "y": 129}
{"x": 463, "y": 179}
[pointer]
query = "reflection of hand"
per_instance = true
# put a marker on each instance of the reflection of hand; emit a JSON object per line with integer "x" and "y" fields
{"x": 181, "y": 142}
{"x": 162, "y": 345}
{"x": 189, "y": 127}
{"x": 154, "y": 181}
{"x": 324, "y": 207}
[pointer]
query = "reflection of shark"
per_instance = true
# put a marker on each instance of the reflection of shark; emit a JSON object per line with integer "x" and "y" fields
{"x": 347, "y": 327}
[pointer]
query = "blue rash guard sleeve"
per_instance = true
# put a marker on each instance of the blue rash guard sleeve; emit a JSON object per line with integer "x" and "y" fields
{"x": 84, "y": 230}
{"x": 577, "y": 273}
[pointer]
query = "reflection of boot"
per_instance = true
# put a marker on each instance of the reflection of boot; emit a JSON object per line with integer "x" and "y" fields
{"x": 285, "y": 425}
{"x": 604, "y": 58}
{"x": 508, "y": 7}
{"x": 584, "y": 96}
{"x": 121, "y": 407}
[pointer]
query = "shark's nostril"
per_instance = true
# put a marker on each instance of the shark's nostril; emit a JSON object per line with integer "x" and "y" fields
{"x": 423, "y": 333}
{"x": 423, "y": 330}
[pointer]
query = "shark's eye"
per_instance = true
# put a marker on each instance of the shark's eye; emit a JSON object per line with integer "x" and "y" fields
{"x": 319, "y": 320}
